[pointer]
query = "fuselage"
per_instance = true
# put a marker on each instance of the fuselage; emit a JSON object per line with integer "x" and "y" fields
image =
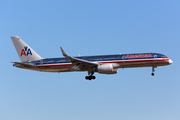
{"x": 118, "y": 61}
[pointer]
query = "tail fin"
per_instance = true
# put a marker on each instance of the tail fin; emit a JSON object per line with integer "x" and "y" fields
{"x": 25, "y": 52}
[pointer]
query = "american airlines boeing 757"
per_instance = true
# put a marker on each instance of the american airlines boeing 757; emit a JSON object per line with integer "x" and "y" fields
{"x": 104, "y": 64}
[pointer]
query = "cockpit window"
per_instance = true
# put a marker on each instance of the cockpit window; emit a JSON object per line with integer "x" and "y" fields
{"x": 164, "y": 57}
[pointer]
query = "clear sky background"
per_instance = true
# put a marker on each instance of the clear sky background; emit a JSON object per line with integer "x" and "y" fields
{"x": 90, "y": 27}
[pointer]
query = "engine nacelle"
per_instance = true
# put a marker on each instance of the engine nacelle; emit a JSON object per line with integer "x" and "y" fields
{"x": 106, "y": 69}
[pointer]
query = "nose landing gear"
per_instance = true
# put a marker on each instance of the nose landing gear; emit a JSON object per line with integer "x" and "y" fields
{"x": 153, "y": 70}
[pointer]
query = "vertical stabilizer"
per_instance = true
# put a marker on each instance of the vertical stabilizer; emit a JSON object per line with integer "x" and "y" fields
{"x": 25, "y": 52}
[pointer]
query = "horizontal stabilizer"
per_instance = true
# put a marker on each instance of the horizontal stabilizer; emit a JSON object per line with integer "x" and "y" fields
{"x": 23, "y": 64}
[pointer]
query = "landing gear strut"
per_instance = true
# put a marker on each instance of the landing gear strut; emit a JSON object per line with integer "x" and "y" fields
{"x": 90, "y": 73}
{"x": 153, "y": 70}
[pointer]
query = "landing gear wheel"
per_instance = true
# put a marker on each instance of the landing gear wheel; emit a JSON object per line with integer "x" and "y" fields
{"x": 152, "y": 74}
{"x": 87, "y": 77}
{"x": 90, "y": 77}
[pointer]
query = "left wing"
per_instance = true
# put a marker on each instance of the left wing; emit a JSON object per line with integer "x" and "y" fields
{"x": 78, "y": 61}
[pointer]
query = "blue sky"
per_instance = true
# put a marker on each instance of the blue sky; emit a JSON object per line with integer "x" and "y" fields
{"x": 93, "y": 27}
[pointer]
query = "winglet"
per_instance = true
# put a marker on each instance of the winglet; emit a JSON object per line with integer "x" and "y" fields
{"x": 63, "y": 52}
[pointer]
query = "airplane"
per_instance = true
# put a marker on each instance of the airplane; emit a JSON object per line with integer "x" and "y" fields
{"x": 104, "y": 64}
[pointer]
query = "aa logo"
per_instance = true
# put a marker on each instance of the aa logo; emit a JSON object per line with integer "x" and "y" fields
{"x": 26, "y": 51}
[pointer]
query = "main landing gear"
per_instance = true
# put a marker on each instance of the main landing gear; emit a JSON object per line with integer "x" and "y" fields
{"x": 90, "y": 77}
{"x": 90, "y": 73}
{"x": 153, "y": 70}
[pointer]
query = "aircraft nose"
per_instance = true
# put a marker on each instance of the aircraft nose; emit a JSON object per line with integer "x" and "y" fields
{"x": 170, "y": 61}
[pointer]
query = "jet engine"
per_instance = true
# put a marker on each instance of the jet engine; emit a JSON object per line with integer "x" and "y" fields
{"x": 106, "y": 69}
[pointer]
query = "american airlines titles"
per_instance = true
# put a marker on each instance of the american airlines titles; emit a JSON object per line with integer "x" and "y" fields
{"x": 138, "y": 56}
